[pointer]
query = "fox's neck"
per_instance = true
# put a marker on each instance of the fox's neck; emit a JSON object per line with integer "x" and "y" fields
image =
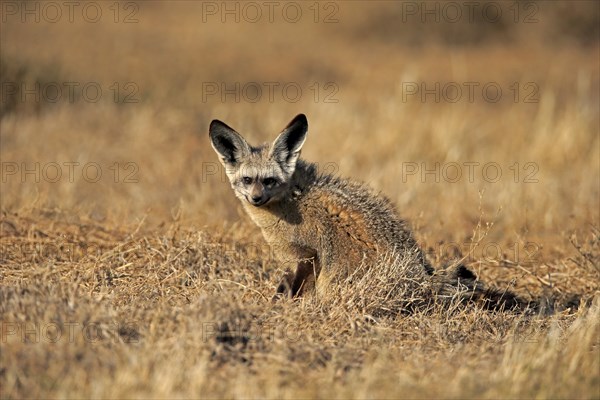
{"x": 305, "y": 174}
{"x": 286, "y": 208}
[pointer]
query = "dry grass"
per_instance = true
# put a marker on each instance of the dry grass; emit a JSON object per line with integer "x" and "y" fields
{"x": 161, "y": 287}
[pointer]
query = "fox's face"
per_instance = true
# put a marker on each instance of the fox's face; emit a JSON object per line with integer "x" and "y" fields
{"x": 259, "y": 175}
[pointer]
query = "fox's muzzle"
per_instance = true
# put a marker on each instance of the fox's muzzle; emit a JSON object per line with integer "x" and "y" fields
{"x": 257, "y": 195}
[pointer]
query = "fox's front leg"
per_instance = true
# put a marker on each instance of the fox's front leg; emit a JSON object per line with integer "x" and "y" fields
{"x": 295, "y": 284}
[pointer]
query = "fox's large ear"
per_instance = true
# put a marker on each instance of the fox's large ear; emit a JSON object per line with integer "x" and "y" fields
{"x": 286, "y": 148}
{"x": 229, "y": 145}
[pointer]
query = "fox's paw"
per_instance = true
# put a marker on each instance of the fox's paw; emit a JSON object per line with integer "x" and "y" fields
{"x": 284, "y": 289}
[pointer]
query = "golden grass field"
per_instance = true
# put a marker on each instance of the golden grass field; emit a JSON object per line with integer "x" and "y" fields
{"x": 129, "y": 270}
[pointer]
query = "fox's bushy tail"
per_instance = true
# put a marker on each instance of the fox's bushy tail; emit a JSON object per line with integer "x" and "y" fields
{"x": 459, "y": 282}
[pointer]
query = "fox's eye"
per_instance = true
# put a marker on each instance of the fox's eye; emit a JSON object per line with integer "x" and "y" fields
{"x": 269, "y": 181}
{"x": 247, "y": 180}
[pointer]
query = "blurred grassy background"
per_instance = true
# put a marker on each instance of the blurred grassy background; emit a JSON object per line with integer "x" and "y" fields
{"x": 352, "y": 62}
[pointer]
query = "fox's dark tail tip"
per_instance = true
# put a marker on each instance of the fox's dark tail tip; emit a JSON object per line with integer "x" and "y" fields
{"x": 495, "y": 299}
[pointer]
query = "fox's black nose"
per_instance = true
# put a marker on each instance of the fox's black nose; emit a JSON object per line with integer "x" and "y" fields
{"x": 257, "y": 201}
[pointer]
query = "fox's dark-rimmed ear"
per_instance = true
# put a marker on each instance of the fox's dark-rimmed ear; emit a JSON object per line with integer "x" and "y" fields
{"x": 229, "y": 145}
{"x": 286, "y": 148}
